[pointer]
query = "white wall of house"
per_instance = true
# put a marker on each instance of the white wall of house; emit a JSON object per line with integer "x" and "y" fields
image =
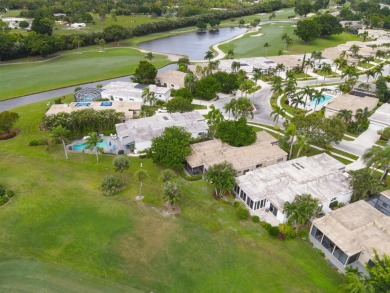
{"x": 163, "y": 96}
{"x": 121, "y": 98}
{"x": 344, "y": 198}
{"x": 140, "y": 146}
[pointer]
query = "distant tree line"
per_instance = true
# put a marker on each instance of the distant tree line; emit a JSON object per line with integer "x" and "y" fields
{"x": 41, "y": 42}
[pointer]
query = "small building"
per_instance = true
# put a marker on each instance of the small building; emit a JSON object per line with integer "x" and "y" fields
{"x": 350, "y": 102}
{"x": 381, "y": 117}
{"x": 266, "y": 190}
{"x": 264, "y": 152}
{"x": 129, "y": 109}
{"x": 160, "y": 93}
{"x": 349, "y": 234}
{"x": 137, "y": 134}
{"x": 172, "y": 79}
{"x": 123, "y": 91}
{"x": 88, "y": 95}
{"x": 78, "y": 25}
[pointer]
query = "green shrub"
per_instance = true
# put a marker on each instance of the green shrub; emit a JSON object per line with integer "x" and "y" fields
{"x": 37, "y": 142}
{"x": 385, "y": 134}
{"x": 333, "y": 204}
{"x": 57, "y": 101}
{"x": 99, "y": 86}
{"x": 242, "y": 212}
{"x": 287, "y": 230}
{"x": 276, "y": 127}
{"x": 2, "y": 190}
{"x": 190, "y": 178}
{"x": 3, "y": 200}
{"x": 341, "y": 204}
{"x": 167, "y": 175}
{"x": 273, "y": 231}
{"x": 10, "y": 193}
{"x": 77, "y": 88}
{"x": 236, "y": 204}
{"x": 110, "y": 185}
{"x": 303, "y": 234}
{"x": 255, "y": 219}
{"x": 266, "y": 225}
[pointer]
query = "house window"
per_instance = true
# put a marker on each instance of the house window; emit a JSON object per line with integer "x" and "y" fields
{"x": 328, "y": 244}
{"x": 273, "y": 210}
{"x": 259, "y": 165}
{"x": 333, "y": 199}
{"x": 353, "y": 258}
{"x": 316, "y": 233}
{"x": 247, "y": 170}
{"x": 257, "y": 205}
{"x": 262, "y": 203}
{"x": 340, "y": 255}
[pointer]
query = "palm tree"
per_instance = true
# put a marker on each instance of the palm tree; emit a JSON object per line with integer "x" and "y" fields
{"x": 291, "y": 130}
{"x": 297, "y": 100}
{"x": 354, "y": 283}
{"x": 277, "y": 113}
{"x": 272, "y": 16}
{"x": 378, "y": 157}
{"x": 190, "y": 81}
{"x": 231, "y": 107}
{"x": 62, "y": 134}
{"x": 280, "y": 67}
{"x": 221, "y": 176}
{"x": 235, "y": 66}
{"x": 148, "y": 95}
{"x": 326, "y": 70}
{"x": 303, "y": 143}
{"x": 266, "y": 46}
{"x": 149, "y": 56}
{"x": 230, "y": 54}
{"x": 172, "y": 192}
{"x": 303, "y": 208}
{"x": 364, "y": 86}
{"x": 257, "y": 76}
{"x": 92, "y": 143}
{"x": 121, "y": 164}
{"x": 350, "y": 72}
{"x": 140, "y": 175}
{"x": 276, "y": 85}
{"x": 309, "y": 63}
{"x": 369, "y": 73}
{"x": 308, "y": 93}
{"x": 244, "y": 108}
{"x": 214, "y": 117}
{"x": 378, "y": 70}
{"x": 209, "y": 55}
{"x": 345, "y": 115}
{"x": 361, "y": 116}
{"x": 289, "y": 42}
{"x": 355, "y": 50}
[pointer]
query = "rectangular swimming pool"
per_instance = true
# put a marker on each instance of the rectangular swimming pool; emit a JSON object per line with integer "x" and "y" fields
{"x": 82, "y": 146}
{"x": 106, "y": 104}
{"x": 83, "y": 104}
{"x": 319, "y": 101}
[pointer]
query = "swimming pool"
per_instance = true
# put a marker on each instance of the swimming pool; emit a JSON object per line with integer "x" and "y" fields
{"x": 83, "y": 104}
{"x": 82, "y": 146}
{"x": 106, "y": 104}
{"x": 319, "y": 101}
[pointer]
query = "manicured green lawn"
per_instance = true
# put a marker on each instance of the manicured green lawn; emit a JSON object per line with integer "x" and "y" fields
{"x": 60, "y": 226}
{"x": 252, "y": 45}
{"x": 70, "y": 69}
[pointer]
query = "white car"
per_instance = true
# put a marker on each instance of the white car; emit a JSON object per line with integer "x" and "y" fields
{"x": 162, "y": 110}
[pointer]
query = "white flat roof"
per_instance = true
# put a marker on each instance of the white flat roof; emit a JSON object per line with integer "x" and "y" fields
{"x": 382, "y": 114}
{"x": 144, "y": 129}
{"x": 357, "y": 227}
{"x": 321, "y": 175}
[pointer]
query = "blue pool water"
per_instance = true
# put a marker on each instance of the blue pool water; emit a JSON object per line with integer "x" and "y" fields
{"x": 106, "y": 104}
{"x": 319, "y": 101}
{"x": 83, "y": 104}
{"x": 82, "y": 146}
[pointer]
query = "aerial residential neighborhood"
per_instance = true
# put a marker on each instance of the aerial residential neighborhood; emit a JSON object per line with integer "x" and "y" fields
{"x": 222, "y": 146}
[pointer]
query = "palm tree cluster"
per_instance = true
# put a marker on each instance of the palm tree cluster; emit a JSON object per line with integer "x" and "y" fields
{"x": 360, "y": 121}
{"x": 221, "y": 176}
{"x": 84, "y": 121}
{"x": 379, "y": 158}
{"x": 303, "y": 208}
{"x": 288, "y": 41}
{"x": 148, "y": 96}
{"x": 241, "y": 107}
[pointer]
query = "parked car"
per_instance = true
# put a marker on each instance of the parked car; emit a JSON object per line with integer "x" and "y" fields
{"x": 162, "y": 110}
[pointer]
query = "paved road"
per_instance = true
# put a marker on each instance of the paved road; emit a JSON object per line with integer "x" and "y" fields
{"x": 29, "y": 99}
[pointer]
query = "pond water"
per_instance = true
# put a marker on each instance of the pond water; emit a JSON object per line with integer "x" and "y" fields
{"x": 194, "y": 45}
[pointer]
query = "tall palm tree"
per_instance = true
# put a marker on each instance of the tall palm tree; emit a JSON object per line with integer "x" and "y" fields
{"x": 140, "y": 175}
{"x": 277, "y": 113}
{"x": 355, "y": 50}
{"x": 308, "y": 93}
{"x": 190, "y": 81}
{"x": 361, "y": 116}
{"x": 378, "y": 157}
{"x": 280, "y": 67}
{"x": 303, "y": 143}
{"x": 214, "y": 116}
{"x": 378, "y": 70}
{"x": 257, "y": 76}
{"x": 277, "y": 85}
{"x": 209, "y": 55}
{"x": 369, "y": 73}
{"x": 326, "y": 70}
{"x": 231, "y": 107}
{"x": 148, "y": 95}
{"x": 291, "y": 131}
{"x": 62, "y": 134}
{"x": 230, "y": 54}
{"x": 345, "y": 115}
{"x": 309, "y": 63}
{"x": 235, "y": 66}
{"x": 92, "y": 143}
{"x": 266, "y": 46}
{"x": 350, "y": 72}
{"x": 244, "y": 108}
{"x": 297, "y": 100}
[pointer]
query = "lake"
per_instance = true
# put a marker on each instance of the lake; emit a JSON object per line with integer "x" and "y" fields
{"x": 194, "y": 45}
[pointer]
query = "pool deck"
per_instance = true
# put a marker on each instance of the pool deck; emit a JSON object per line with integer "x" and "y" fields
{"x": 130, "y": 109}
{"x": 113, "y": 147}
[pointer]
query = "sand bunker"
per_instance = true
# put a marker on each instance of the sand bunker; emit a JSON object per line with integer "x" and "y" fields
{"x": 257, "y": 35}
